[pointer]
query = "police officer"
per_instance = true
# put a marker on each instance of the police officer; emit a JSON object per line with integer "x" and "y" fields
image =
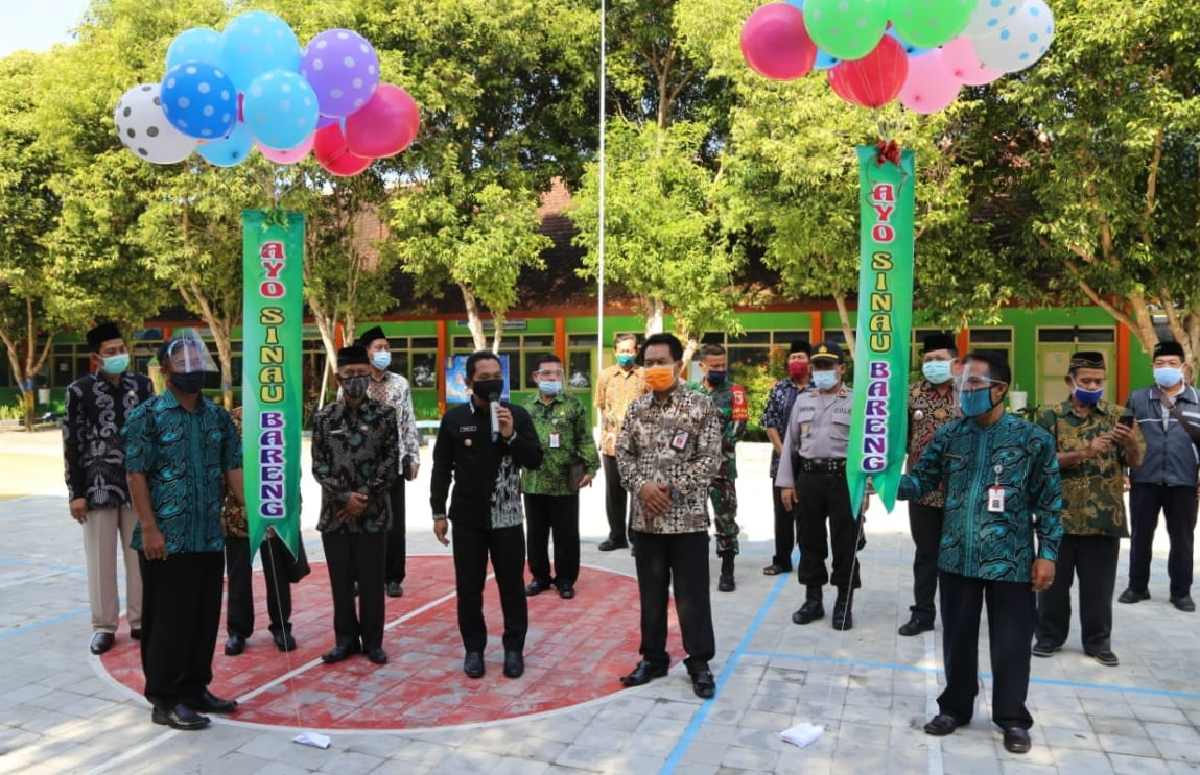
{"x": 730, "y": 401}
{"x": 813, "y": 464}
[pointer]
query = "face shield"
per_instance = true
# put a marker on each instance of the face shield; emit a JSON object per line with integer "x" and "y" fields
{"x": 975, "y": 393}
{"x": 188, "y": 353}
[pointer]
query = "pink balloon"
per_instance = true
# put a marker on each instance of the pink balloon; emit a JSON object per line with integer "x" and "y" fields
{"x": 963, "y": 63}
{"x": 386, "y": 125}
{"x": 930, "y": 86}
{"x": 290, "y": 155}
{"x": 776, "y": 44}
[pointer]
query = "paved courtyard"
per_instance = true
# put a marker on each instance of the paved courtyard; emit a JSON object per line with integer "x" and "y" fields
{"x": 62, "y": 710}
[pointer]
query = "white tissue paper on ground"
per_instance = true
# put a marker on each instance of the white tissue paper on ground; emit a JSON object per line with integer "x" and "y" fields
{"x": 802, "y": 735}
{"x": 314, "y": 739}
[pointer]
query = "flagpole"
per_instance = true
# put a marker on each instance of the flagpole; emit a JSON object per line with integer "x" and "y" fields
{"x": 600, "y": 245}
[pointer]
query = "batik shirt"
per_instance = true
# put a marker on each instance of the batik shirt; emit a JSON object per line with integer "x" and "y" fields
{"x": 1094, "y": 490}
{"x": 968, "y": 459}
{"x": 779, "y": 409}
{"x": 393, "y": 391}
{"x": 616, "y": 390}
{"x": 566, "y": 439}
{"x": 185, "y": 456}
{"x": 233, "y": 513}
{"x": 731, "y": 429}
{"x": 92, "y": 447}
{"x": 355, "y": 451}
{"x": 928, "y": 410}
{"x": 675, "y": 440}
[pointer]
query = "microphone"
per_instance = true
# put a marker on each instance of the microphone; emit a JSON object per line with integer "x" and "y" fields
{"x": 494, "y": 406}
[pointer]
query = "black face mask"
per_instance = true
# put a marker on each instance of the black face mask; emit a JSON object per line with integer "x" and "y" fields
{"x": 188, "y": 382}
{"x": 484, "y": 389}
{"x": 355, "y": 387}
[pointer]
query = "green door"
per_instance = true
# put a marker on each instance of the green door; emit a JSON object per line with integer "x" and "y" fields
{"x": 1054, "y": 350}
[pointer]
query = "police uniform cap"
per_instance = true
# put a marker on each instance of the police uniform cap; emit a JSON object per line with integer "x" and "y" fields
{"x": 827, "y": 351}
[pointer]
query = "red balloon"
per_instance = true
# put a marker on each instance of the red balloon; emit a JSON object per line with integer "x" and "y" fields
{"x": 386, "y": 125}
{"x": 876, "y": 79}
{"x": 332, "y": 153}
{"x": 776, "y": 44}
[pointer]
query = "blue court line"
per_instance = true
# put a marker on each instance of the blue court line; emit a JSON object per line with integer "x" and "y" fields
{"x": 1146, "y": 691}
{"x": 699, "y": 717}
{"x": 25, "y": 628}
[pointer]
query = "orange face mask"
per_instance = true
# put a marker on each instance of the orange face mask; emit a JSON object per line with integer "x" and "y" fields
{"x": 660, "y": 378}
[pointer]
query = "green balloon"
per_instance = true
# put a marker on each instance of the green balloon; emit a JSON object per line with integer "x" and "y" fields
{"x": 930, "y": 23}
{"x": 846, "y": 29}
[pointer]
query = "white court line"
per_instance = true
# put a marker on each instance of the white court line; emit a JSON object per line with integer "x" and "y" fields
{"x": 132, "y": 753}
{"x": 931, "y": 706}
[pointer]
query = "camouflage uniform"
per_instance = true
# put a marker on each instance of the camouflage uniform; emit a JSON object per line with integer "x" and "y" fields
{"x": 722, "y": 492}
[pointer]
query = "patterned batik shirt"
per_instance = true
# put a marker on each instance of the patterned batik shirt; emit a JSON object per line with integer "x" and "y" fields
{"x": 968, "y": 459}
{"x": 393, "y": 391}
{"x": 92, "y": 447}
{"x": 675, "y": 440}
{"x": 233, "y": 513}
{"x": 355, "y": 451}
{"x": 928, "y": 410}
{"x": 778, "y": 410}
{"x": 566, "y": 439}
{"x": 615, "y": 391}
{"x": 185, "y": 456}
{"x": 731, "y": 429}
{"x": 1094, "y": 490}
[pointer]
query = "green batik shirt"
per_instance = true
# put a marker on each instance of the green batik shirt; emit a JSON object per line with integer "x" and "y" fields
{"x": 731, "y": 429}
{"x": 562, "y": 428}
{"x": 1094, "y": 490}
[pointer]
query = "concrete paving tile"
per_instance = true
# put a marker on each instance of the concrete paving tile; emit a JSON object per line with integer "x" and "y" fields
{"x": 1123, "y": 764}
{"x": 1159, "y": 713}
{"x": 739, "y": 758}
{"x": 351, "y": 763}
{"x": 1180, "y": 751}
{"x": 1136, "y": 746}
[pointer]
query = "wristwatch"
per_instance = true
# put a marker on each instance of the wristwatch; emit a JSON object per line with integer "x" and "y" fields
{"x": 438, "y": 517}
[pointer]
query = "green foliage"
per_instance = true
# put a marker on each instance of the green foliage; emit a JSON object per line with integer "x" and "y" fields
{"x": 759, "y": 379}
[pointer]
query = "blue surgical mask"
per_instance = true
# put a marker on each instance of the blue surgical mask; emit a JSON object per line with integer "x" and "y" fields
{"x": 1088, "y": 397}
{"x": 825, "y": 379}
{"x": 381, "y": 360}
{"x": 937, "y": 372}
{"x": 1167, "y": 376}
{"x": 975, "y": 403}
{"x": 625, "y": 360}
{"x": 550, "y": 387}
{"x": 716, "y": 378}
{"x": 115, "y": 364}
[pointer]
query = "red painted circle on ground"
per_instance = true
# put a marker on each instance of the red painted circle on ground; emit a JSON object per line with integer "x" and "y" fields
{"x": 575, "y": 652}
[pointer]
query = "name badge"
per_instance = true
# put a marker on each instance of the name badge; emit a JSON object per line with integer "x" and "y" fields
{"x": 468, "y": 428}
{"x": 555, "y": 441}
{"x": 679, "y": 443}
{"x": 996, "y": 499}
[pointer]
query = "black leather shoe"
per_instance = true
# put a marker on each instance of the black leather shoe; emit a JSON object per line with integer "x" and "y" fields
{"x": 208, "y": 702}
{"x": 644, "y": 673}
{"x": 514, "y": 664}
{"x": 1016, "y": 740}
{"x": 843, "y": 617}
{"x": 340, "y": 652}
{"x": 1131, "y": 595}
{"x": 1106, "y": 658}
{"x": 775, "y": 569}
{"x": 235, "y": 645}
{"x": 610, "y": 545}
{"x": 473, "y": 665}
{"x": 136, "y": 633}
{"x": 703, "y": 684}
{"x": 811, "y": 611}
{"x": 915, "y": 626}
{"x": 377, "y": 655}
{"x": 537, "y": 587}
{"x": 566, "y": 592}
{"x": 102, "y": 642}
{"x": 1043, "y": 649}
{"x": 179, "y": 717}
{"x": 942, "y": 725}
{"x": 1184, "y": 603}
{"x": 284, "y": 641}
{"x": 394, "y": 589}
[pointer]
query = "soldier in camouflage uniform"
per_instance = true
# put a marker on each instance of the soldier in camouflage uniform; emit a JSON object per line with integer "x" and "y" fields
{"x": 1094, "y": 449}
{"x": 730, "y": 401}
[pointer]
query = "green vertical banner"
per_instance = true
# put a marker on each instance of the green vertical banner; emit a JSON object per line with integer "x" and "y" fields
{"x": 272, "y": 380}
{"x": 879, "y": 419}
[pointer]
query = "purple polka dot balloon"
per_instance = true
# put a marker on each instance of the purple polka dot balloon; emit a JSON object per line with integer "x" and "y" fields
{"x": 343, "y": 69}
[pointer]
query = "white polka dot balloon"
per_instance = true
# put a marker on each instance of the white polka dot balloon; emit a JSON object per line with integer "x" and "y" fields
{"x": 1020, "y": 40}
{"x": 144, "y": 129}
{"x": 989, "y": 16}
{"x": 281, "y": 109}
{"x": 343, "y": 69}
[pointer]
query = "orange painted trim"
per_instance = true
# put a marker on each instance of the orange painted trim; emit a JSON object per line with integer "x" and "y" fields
{"x": 560, "y": 338}
{"x": 441, "y": 366}
{"x": 963, "y": 341}
{"x": 339, "y": 336}
{"x": 1123, "y": 382}
{"x": 816, "y": 329}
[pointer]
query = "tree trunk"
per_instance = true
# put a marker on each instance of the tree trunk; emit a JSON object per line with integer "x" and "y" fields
{"x": 498, "y": 334}
{"x": 326, "y": 325}
{"x": 225, "y": 353}
{"x": 844, "y": 316}
{"x": 221, "y": 328}
{"x": 654, "y": 316}
{"x": 25, "y": 371}
{"x": 474, "y": 324}
{"x": 692, "y": 344}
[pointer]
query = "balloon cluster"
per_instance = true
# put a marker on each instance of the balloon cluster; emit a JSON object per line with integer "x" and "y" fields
{"x": 224, "y": 93}
{"x": 921, "y": 51}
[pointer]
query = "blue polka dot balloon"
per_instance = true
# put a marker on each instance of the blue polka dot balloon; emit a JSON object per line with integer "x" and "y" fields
{"x": 199, "y": 44}
{"x": 989, "y": 16}
{"x": 281, "y": 109}
{"x": 199, "y": 100}
{"x": 1020, "y": 40}
{"x": 230, "y": 151}
{"x": 257, "y": 42}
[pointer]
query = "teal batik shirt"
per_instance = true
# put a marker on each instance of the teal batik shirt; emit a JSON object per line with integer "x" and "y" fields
{"x": 969, "y": 459}
{"x": 184, "y": 456}
{"x": 563, "y": 420}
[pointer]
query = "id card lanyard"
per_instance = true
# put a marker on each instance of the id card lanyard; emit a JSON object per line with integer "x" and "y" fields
{"x": 995, "y": 503}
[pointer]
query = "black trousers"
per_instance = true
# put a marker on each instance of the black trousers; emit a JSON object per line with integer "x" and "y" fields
{"x": 181, "y": 613}
{"x": 1094, "y": 559}
{"x": 357, "y": 557}
{"x": 239, "y": 614}
{"x": 785, "y": 531}
{"x": 472, "y": 548}
{"x": 681, "y": 559}
{"x": 396, "y": 545}
{"x": 557, "y": 514}
{"x": 1178, "y": 504}
{"x": 616, "y": 502}
{"x": 925, "y": 522}
{"x": 822, "y": 497}
{"x": 1011, "y": 615}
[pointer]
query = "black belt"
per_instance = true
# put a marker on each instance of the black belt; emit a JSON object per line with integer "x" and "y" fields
{"x": 819, "y": 465}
